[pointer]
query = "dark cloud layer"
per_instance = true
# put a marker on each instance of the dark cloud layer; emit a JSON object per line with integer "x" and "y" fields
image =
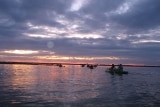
{"x": 143, "y": 15}
{"x": 122, "y": 28}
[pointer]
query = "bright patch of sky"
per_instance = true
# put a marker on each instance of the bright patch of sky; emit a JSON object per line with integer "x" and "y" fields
{"x": 94, "y": 36}
{"x": 78, "y": 4}
{"x": 52, "y": 32}
{"x": 124, "y": 8}
{"x": 146, "y": 41}
{"x": 22, "y": 52}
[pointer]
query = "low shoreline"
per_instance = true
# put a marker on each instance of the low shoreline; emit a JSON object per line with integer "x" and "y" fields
{"x": 55, "y": 64}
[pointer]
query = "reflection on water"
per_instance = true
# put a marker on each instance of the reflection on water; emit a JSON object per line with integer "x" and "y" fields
{"x": 73, "y": 86}
{"x": 23, "y": 77}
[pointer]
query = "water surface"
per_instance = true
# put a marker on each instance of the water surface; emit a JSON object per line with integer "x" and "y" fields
{"x": 74, "y": 86}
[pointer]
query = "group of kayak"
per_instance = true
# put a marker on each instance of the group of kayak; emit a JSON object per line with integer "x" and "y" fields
{"x": 114, "y": 70}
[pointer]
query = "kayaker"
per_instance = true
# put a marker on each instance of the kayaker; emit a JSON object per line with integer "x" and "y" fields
{"x": 120, "y": 68}
{"x": 112, "y": 67}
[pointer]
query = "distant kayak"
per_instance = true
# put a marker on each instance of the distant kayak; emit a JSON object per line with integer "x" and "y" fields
{"x": 116, "y": 72}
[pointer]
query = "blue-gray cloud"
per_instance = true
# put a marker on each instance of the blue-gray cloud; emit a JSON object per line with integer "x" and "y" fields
{"x": 142, "y": 15}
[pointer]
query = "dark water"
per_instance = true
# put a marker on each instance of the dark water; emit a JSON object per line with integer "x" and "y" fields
{"x": 73, "y": 86}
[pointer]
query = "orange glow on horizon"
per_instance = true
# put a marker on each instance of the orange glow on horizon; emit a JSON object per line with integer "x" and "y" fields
{"x": 78, "y": 58}
{"x": 47, "y": 56}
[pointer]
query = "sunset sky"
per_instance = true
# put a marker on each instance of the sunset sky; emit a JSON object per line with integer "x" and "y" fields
{"x": 105, "y": 31}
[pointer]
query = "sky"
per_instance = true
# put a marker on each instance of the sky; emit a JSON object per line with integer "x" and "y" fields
{"x": 102, "y": 31}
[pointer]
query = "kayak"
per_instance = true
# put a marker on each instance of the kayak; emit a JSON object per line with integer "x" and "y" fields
{"x": 116, "y": 72}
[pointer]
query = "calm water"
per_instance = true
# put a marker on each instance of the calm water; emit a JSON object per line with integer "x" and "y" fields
{"x": 74, "y": 86}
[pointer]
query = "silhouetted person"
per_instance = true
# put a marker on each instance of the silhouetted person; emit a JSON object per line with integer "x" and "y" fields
{"x": 112, "y": 67}
{"x": 120, "y": 68}
{"x": 83, "y": 65}
{"x": 60, "y": 65}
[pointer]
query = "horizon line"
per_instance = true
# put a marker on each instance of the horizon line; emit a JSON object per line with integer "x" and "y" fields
{"x": 62, "y": 63}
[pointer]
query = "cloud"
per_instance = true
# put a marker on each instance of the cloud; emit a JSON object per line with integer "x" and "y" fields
{"x": 23, "y": 52}
{"x": 124, "y": 29}
{"x": 143, "y": 15}
{"x": 78, "y": 4}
